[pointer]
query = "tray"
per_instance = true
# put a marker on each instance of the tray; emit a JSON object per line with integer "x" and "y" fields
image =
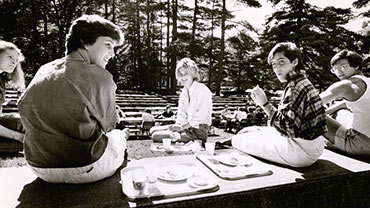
{"x": 234, "y": 165}
{"x": 193, "y": 180}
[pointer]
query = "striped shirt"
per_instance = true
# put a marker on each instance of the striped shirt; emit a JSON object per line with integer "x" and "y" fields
{"x": 300, "y": 113}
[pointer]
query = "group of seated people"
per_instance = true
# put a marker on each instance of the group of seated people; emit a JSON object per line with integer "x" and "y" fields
{"x": 240, "y": 118}
{"x": 148, "y": 119}
{"x": 69, "y": 113}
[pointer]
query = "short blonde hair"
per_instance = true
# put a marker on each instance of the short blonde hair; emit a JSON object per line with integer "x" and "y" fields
{"x": 16, "y": 78}
{"x": 188, "y": 65}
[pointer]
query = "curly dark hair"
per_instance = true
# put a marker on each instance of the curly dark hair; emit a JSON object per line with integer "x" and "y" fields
{"x": 354, "y": 59}
{"x": 87, "y": 28}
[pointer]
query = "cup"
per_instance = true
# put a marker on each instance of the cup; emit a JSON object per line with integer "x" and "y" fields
{"x": 166, "y": 143}
{"x": 197, "y": 145}
{"x": 210, "y": 148}
{"x": 139, "y": 177}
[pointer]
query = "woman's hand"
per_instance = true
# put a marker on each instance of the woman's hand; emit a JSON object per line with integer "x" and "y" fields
{"x": 259, "y": 96}
{"x": 126, "y": 131}
{"x": 176, "y": 128}
{"x": 175, "y": 136}
{"x": 120, "y": 114}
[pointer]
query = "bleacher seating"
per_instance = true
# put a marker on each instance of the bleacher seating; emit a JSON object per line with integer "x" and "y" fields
{"x": 10, "y": 104}
{"x": 133, "y": 103}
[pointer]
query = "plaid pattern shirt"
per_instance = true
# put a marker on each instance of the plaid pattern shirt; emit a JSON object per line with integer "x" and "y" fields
{"x": 300, "y": 113}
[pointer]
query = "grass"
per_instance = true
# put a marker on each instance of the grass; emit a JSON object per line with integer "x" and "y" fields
{"x": 137, "y": 149}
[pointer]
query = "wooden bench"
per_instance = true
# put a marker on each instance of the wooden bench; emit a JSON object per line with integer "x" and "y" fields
{"x": 333, "y": 181}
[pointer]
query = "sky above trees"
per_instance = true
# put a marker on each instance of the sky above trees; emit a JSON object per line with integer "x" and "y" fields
{"x": 257, "y": 16}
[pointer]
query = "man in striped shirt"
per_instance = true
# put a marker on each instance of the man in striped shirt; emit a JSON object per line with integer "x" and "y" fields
{"x": 293, "y": 136}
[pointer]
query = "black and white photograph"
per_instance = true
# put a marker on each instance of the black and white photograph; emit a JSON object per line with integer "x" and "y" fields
{"x": 185, "y": 103}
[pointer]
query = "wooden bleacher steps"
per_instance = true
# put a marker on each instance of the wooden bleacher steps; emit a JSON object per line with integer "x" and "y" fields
{"x": 133, "y": 104}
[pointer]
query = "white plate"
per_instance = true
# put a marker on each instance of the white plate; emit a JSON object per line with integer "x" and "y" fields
{"x": 201, "y": 182}
{"x": 235, "y": 160}
{"x": 174, "y": 173}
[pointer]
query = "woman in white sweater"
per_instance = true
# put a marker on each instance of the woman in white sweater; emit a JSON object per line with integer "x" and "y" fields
{"x": 194, "y": 114}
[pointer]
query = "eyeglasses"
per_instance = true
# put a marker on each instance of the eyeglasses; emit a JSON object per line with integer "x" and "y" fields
{"x": 341, "y": 67}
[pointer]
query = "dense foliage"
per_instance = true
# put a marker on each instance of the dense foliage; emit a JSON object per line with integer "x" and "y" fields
{"x": 160, "y": 32}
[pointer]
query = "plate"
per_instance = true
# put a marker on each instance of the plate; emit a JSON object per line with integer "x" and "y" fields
{"x": 174, "y": 173}
{"x": 201, "y": 182}
{"x": 235, "y": 160}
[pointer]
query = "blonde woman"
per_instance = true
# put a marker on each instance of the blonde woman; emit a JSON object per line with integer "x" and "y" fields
{"x": 194, "y": 112}
{"x": 11, "y": 74}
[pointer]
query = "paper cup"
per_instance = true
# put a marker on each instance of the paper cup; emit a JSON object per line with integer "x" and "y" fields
{"x": 210, "y": 148}
{"x": 166, "y": 143}
{"x": 197, "y": 145}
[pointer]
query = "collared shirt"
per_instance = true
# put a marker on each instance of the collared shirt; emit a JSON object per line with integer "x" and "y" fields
{"x": 195, "y": 105}
{"x": 301, "y": 113}
{"x": 226, "y": 113}
{"x": 147, "y": 117}
{"x": 240, "y": 115}
{"x": 66, "y": 110}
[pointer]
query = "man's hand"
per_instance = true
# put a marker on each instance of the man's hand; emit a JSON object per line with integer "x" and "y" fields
{"x": 259, "y": 96}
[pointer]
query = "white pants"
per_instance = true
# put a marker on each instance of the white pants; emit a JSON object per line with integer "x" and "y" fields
{"x": 105, "y": 166}
{"x": 269, "y": 144}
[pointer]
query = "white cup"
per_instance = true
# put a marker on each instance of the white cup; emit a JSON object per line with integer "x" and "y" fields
{"x": 210, "y": 148}
{"x": 197, "y": 145}
{"x": 166, "y": 143}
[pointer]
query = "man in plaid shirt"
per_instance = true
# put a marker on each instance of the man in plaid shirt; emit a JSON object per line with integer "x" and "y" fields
{"x": 293, "y": 136}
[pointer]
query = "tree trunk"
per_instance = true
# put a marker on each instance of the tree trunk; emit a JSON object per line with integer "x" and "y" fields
{"x": 114, "y": 11}
{"x": 167, "y": 45}
{"x": 222, "y": 52}
{"x": 161, "y": 56}
{"x": 148, "y": 68}
{"x": 174, "y": 38}
{"x": 194, "y": 29}
{"x": 106, "y": 10}
{"x": 138, "y": 48}
{"x": 211, "y": 60}
{"x": 46, "y": 36}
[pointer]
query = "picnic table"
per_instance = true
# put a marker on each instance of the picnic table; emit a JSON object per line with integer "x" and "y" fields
{"x": 333, "y": 181}
{"x": 286, "y": 187}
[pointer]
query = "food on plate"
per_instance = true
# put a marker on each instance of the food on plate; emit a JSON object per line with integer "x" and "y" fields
{"x": 234, "y": 161}
{"x": 174, "y": 173}
{"x": 169, "y": 174}
{"x": 200, "y": 180}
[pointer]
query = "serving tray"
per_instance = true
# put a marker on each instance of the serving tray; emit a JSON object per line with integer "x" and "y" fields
{"x": 233, "y": 165}
{"x": 158, "y": 185}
